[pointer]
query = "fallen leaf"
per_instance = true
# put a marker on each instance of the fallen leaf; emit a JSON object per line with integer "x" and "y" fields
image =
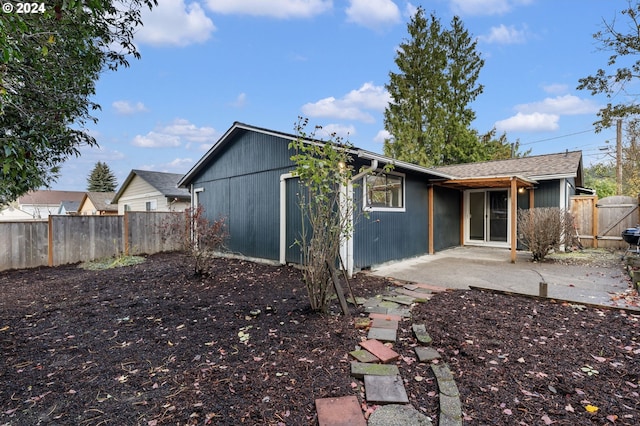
{"x": 612, "y": 418}
{"x": 419, "y": 378}
{"x": 507, "y": 412}
{"x": 599, "y": 358}
{"x": 547, "y": 420}
{"x": 569, "y": 408}
{"x": 591, "y": 408}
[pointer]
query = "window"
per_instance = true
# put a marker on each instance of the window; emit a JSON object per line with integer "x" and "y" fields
{"x": 127, "y": 208}
{"x": 384, "y": 191}
{"x": 152, "y": 205}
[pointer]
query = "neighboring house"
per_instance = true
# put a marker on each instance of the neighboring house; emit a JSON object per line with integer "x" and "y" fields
{"x": 12, "y": 213}
{"x": 68, "y": 207}
{"x": 152, "y": 191}
{"x": 39, "y": 204}
{"x": 246, "y": 177}
{"x": 97, "y": 203}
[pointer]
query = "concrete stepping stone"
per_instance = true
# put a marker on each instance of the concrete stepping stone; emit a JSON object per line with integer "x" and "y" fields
{"x": 420, "y": 331}
{"x": 361, "y": 369}
{"x": 342, "y": 411}
{"x": 398, "y": 300}
{"x": 432, "y": 288}
{"x": 383, "y": 323}
{"x": 383, "y": 334}
{"x": 450, "y": 411}
{"x": 418, "y": 296}
{"x": 385, "y": 390}
{"x": 384, "y": 353}
{"x": 426, "y": 353}
{"x": 442, "y": 372}
{"x": 364, "y": 356}
{"x": 404, "y": 312}
{"x": 376, "y": 309}
{"x": 385, "y": 317}
{"x": 372, "y": 301}
{"x": 398, "y": 415}
{"x": 388, "y": 303}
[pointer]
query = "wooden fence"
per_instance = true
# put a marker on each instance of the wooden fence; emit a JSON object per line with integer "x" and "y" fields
{"x": 599, "y": 223}
{"x": 71, "y": 239}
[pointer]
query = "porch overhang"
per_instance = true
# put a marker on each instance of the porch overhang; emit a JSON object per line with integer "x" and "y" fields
{"x": 477, "y": 182}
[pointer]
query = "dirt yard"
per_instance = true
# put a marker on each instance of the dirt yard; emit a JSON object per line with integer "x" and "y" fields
{"x": 152, "y": 345}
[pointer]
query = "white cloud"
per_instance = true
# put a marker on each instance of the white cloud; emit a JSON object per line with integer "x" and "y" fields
{"x": 175, "y": 134}
{"x": 282, "y": 9}
{"x": 240, "y": 101}
{"x": 345, "y": 132}
{"x": 373, "y": 14}
{"x": 381, "y": 136}
{"x": 127, "y": 108}
{"x": 352, "y": 106}
{"x": 485, "y": 7}
{"x": 561, "y": 105}
{"x": 504, "y": 35}
{"x": 555, "y": 88}
{"x": 172, "y": 23}
{"x": 535, "y": 122}
{"x": 178, "y": 165}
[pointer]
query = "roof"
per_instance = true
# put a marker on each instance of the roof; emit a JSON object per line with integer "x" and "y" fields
{"x": 50, "y": 197}
{"x": 70, "y": 206}
{"x": 535, "y": 167}
{"x": 238, "y": 127}
{"x": 165, "y": 183}
{"x": 101, "y": 201}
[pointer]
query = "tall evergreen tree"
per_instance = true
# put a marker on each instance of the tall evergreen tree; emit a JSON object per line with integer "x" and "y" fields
{"x": 101, "y": 179}
{"x": 429, "y": 116}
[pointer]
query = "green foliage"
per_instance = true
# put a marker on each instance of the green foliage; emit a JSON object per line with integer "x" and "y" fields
{"x": 602, "y": 178}
{"x": 323, "y": 168}
{"x": 631, "y": 159}
{"x": 113, "y": 262}
{"x": 101, "y": 179}
{"x": 622, "y": 40}
{"x": 500, "y": 148}
{"x": 49, "y": 65}
{"x": 429, "y": 116}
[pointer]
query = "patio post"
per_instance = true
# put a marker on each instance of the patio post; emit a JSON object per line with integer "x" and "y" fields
{"x": 514, "y": 216}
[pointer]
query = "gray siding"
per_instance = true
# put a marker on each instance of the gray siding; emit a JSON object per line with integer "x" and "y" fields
{"x": 242, "y": 185}
{"x": 446, "y": 212}
{"x": 385, "y": 236}
{"x": 547, "y": 194}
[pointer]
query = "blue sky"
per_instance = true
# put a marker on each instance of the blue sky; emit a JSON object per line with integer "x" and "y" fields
{"x": 208, "y": 63}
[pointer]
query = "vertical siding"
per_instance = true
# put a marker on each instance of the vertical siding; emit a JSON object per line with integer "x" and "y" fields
{"x": 547, "y": 194}
{"x": 385, "y": 236}
{"x": 242, "y": 184}
{"x": 446, "y": 211}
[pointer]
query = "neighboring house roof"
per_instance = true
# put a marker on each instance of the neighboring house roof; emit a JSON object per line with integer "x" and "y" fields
{"x": 68, "y": 207}
{"x": 101, "y": 201}
{"x": 49, "y": 197}
{"x": 165, "y": 183}
{"x": 238, "y": 127}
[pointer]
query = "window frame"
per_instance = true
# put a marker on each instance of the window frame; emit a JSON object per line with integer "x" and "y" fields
{"x": 403, "y": 183}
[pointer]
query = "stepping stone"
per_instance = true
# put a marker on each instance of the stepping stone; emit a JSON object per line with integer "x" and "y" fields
{"x": 399, "y": 415}
{"x": 381, "y": 323}
{"x": 442, "y": 372}
{"x": 450, "y": 411}
{"x": 404, "y": 313}
{"x": 373, "y": 301}
{"x": 384, "y": 353}
{"x": 417, "y": 289}
{"x": 362, "y": 322}
{"x": 360, "y": 369}
{"x": 385, "y": 389}
{"x": 364, "y": 356}
{"x": 420, "y": 330}
{"x": 384, "y": 334}
{"x": 389, "y": 304}
{"x": 359, "y": 300}
{"x": 418, "y": 296}
{"x": 342, "y": 411}
{"x": 426, "y": 354}
{"x": 385, "y": 317}
{"x": 398, "y": 300}
{"x": 376, "y": 309}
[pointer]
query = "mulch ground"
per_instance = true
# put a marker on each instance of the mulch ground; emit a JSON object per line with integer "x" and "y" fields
{"x": 151, "y": 344}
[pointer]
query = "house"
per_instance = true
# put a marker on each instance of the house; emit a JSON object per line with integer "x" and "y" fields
{"x": 39, "y": 204}
{"x": 97, "y": 203}
{"x": 68, "y": 207}
{"x": 246, "y": 177}
{"x": 145, "y": 190}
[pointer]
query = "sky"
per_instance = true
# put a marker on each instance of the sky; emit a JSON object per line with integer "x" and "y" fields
{"x": 209, "y": 63}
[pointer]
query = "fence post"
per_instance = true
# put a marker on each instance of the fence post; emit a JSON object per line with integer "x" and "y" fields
{"x": 50, "y": 241}
{"x": 594, "y": 225}
{"x": 126, "y": 233}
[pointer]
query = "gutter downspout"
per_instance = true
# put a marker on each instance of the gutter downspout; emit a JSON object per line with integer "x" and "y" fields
{"x": 346, "y": 248}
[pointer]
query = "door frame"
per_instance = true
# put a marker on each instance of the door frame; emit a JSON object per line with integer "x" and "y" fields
{"x": 467, "y": 218}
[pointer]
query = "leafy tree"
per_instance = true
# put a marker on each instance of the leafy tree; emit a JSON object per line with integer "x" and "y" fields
{"x": 323, "y": 168}
{"x": 429, "y": 116}
{"x": 500, "y": 148}
{"x": 50, "y": 63}
{"x": 621, "y": 44}
{"x": 101, "y": 179}
{"x": 602, "y": 178}
{"x": 631, "y": 159}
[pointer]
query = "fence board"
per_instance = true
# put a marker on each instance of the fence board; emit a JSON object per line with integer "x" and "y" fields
{"x": 72, "y": 239}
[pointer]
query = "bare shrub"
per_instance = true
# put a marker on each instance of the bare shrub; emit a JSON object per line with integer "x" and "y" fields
{"x": 543, "y": 229}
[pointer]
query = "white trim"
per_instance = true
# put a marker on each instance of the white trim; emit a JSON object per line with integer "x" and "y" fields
{"x": 283, "y": 217}
{"x": 466, "y": 213}
{"x": 367, "y": 208}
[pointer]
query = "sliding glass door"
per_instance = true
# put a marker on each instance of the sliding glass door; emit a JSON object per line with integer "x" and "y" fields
{"x": 487, "y": 214}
